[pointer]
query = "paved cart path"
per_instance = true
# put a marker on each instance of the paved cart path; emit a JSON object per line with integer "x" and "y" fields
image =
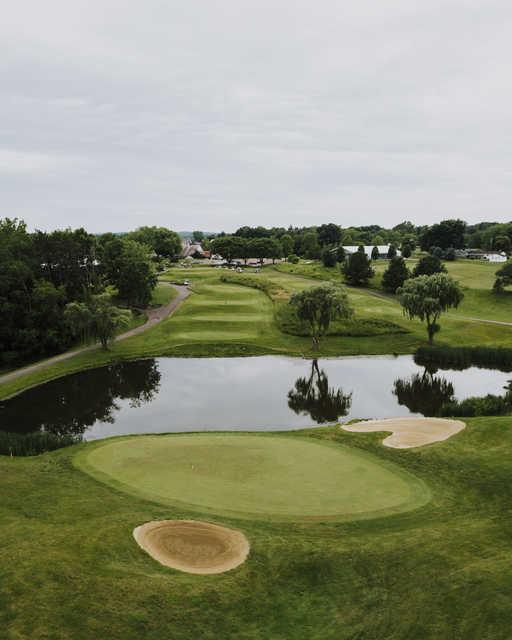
{"x": 154, "y": 316}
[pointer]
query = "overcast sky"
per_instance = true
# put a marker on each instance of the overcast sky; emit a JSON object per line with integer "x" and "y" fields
{"x": 214, "y": 114}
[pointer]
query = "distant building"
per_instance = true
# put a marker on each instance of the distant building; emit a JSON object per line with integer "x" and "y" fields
{"x": 189, "y": 248}
{"x": 382, "y": 248}
{"x": 477, "y": 254}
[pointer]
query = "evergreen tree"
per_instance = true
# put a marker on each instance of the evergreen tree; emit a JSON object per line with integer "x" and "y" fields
{"x": 358, "y": 269}
{"x": 406, "y": 251}
{"x": 329, "y": 257}
{"x": 395, "y": 275}
{"x": 429, "y": 265}
{"x": 340, "y": 254}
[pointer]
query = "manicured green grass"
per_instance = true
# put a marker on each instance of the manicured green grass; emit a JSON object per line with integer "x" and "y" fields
{"x": 228, "y": 319}
{"x": 70, "y": 568}
{"x": 163, "y": 294}
{"x": 475, "y": 277}
{"x": 254, "y": 476}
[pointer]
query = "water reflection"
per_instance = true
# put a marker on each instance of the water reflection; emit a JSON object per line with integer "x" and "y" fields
{"x": 218, "y": 394}
{"x": 68, "y": 406}
{"x": 312, "y": 396}
{"x": 424, "y": 393}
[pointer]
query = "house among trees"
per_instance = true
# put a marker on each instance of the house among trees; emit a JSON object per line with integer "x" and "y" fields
{"x": 191, "y": 248}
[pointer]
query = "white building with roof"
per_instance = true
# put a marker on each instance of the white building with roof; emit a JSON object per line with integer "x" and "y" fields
{"x": 368, "y": 248}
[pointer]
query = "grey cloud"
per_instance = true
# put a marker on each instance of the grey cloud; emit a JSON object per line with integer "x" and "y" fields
{"x": 213, "y": 115}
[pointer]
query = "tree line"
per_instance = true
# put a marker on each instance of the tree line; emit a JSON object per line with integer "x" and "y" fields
{"x": 442, "y": 239}
{"x": 62, "y": 286}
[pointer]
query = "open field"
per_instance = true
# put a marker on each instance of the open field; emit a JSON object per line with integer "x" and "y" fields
{"x": 227, "y": 319}
{"x": 441, "y": 571}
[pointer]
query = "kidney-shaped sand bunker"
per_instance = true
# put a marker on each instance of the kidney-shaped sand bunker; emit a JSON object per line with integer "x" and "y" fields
{"x": 193, "y": 546}
{"x": 409, "y": 432}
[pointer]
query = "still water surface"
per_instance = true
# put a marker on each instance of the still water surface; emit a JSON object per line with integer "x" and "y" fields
{"x": 263, "y": 393}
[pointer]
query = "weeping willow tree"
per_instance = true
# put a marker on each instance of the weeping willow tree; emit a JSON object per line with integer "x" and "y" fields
{"x": 319, "y": 306}
{"x": 313, "y": 396}
{"x": 427, "y": 297}
{"x": 425, "y": 393}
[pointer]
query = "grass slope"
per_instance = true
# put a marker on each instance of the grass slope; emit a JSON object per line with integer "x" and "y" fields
{"x": 254, "y": 476}
{"x": 70, "y": 567}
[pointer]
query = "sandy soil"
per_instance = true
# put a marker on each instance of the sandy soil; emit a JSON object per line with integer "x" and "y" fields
{"x": 193, "y": 546}
{"x": 410, "y": 432}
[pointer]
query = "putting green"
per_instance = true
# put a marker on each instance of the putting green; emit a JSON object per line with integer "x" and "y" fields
{"x": 254, "y": 475}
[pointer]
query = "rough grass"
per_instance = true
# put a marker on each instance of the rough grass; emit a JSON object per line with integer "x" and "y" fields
{"x": 70, "y": 567}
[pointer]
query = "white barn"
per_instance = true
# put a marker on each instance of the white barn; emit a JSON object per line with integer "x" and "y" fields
{"x": 383, "y": 250}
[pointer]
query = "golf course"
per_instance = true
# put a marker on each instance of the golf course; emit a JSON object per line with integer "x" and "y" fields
{"x": 396, "y": 528}
{"x": 437, "y": 561}
{"x": 254, "y": 476}
{"x": 229, "y": 318}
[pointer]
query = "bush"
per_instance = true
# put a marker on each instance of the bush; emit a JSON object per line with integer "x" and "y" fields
{"x": 32, "y": 444}
{"x": 288, "y": 322}
{"x": 489, "y": 405}
{"x": 293, "y": 259}
{"x": 329, "y": 257}
{"x": 464, "y": 357}
{"x": 437, "y": 252}
{"x": 428, "y": 265}
{"x": 449, "y": 254}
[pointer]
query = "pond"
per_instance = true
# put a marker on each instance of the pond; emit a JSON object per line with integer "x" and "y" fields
{"x": 263, "y": 393}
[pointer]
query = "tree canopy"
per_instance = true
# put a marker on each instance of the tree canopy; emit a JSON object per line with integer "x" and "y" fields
{"x": 428, "y": 265}
{"x": 164, "y": 242}
{"x": 312, "y": 395}
{"x": 357, "y": 269}
{"x": 395, "y": 275}
{"x": 427, "y": 297}
{"x": 503, "y": 278}
{"x": 448, "y": 233}
{"x": 329, "y": 234}
{"x": 319, "y": 306}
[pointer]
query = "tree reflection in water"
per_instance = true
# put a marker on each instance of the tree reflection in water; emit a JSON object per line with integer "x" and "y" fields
{"x": 423, "y": 393}
{"x": 67, "y": 406}
{"x": 313, "y": 396}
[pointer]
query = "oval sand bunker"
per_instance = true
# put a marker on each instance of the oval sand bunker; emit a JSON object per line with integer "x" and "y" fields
{"x": 410, "y": 432}
{"x": 193, "y": 546}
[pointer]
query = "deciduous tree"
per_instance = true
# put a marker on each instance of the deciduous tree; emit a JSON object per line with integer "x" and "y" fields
{"x": 319, "y": 306}
{"x": 427, "y": 297}
{"x": 429, "y": 265}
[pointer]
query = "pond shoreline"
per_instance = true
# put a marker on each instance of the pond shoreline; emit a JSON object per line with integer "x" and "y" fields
{"x": 169, "y": 394}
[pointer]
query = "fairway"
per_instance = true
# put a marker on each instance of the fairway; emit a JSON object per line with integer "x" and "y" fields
{"x": 255, "y": 476}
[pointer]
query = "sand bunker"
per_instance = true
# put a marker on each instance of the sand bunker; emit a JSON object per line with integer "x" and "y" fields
{"x": 193, "y": 546}
{"x": 410, "y": 432}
